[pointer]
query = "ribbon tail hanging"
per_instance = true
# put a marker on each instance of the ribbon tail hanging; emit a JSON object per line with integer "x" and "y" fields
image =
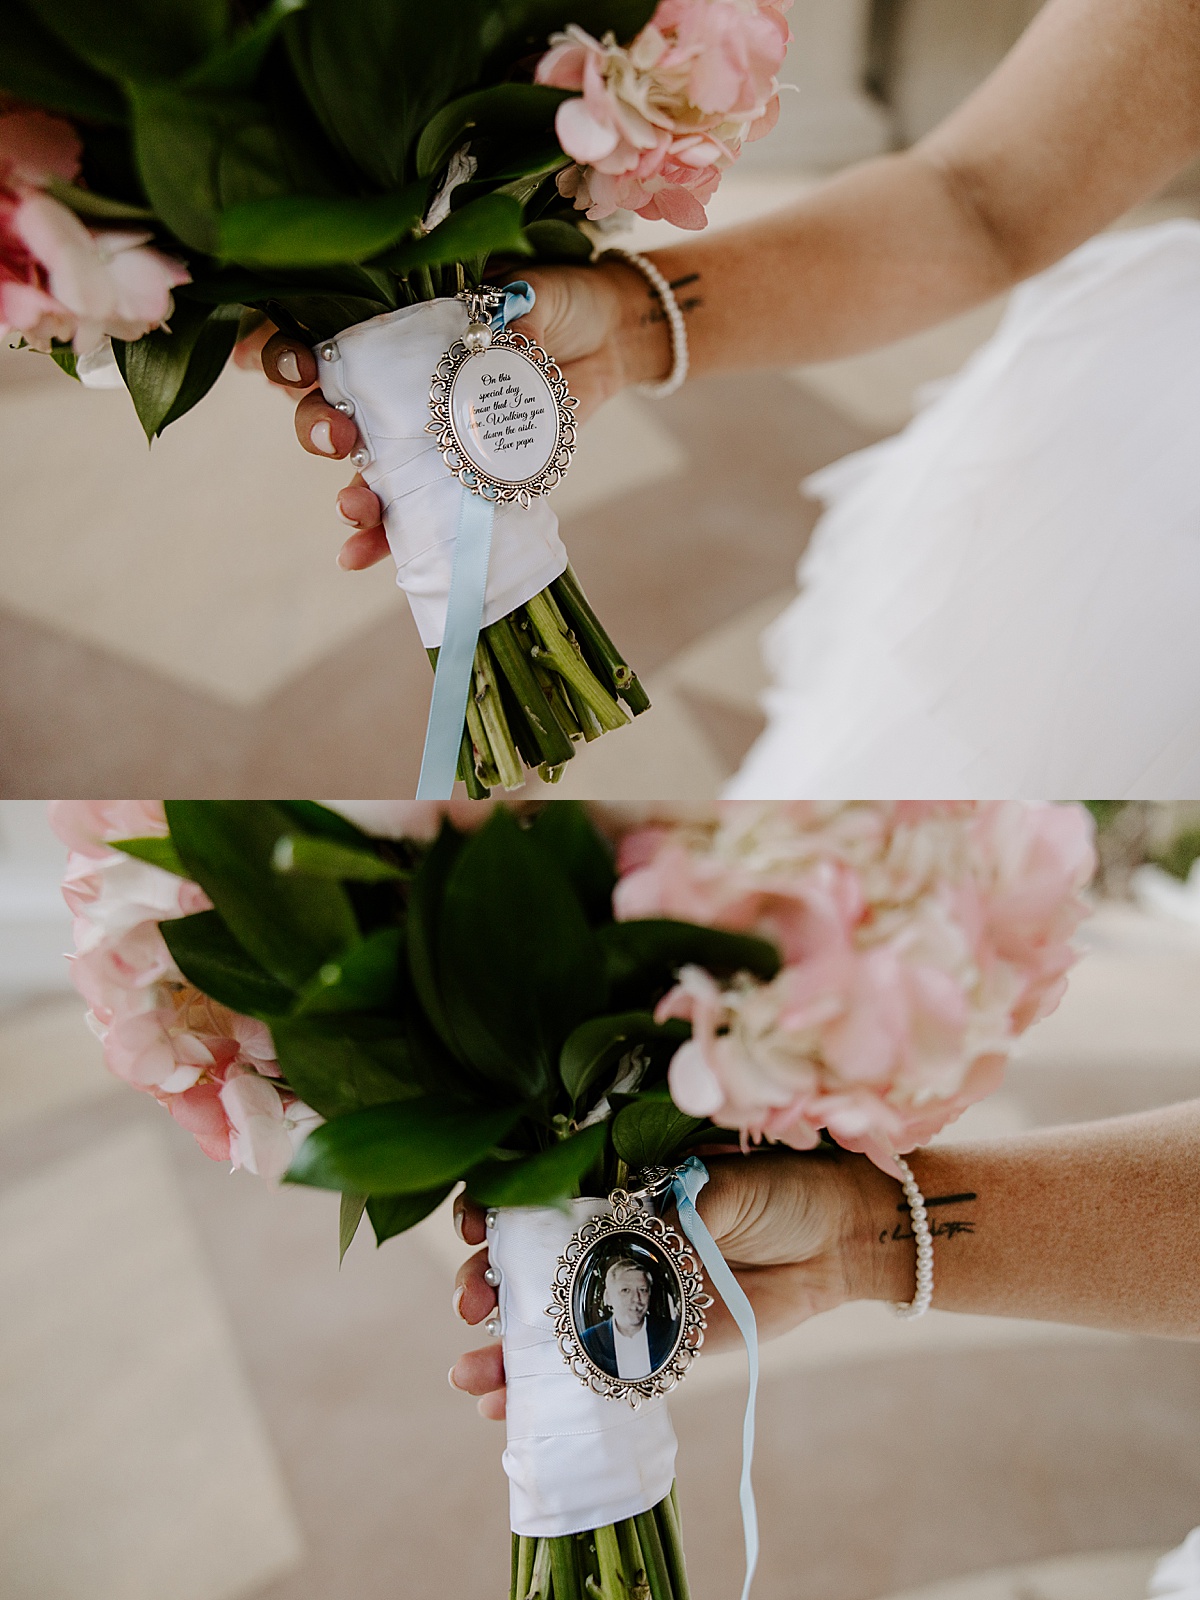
{"x": 687, "y": 1184}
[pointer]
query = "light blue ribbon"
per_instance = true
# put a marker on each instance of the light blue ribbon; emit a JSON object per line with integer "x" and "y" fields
{"x": 464, "y": 611}
{"x": 686, "y": 1185}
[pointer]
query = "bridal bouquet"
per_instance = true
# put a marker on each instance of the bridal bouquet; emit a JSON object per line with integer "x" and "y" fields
{"x": 349, "y": 169}
{"x": 488, "y": 996}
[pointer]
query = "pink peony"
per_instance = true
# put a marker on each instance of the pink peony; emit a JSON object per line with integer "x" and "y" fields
{"x": 60, "y": 280}
{"x": 918, "y": 941}
{"x": 656, "y": 123}
{"x": 210, "y": 1066}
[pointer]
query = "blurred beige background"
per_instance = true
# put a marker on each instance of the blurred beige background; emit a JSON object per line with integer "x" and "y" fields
{"x": 172, "y": 621}
{"x": 196, "y": 1405}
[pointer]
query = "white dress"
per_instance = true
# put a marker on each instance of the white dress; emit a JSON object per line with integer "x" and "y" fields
{"x": 1005, "y": 598}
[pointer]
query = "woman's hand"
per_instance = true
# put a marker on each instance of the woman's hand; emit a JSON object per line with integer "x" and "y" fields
{"x": 594, "y": 321}
{"x": 798, "y": 1230}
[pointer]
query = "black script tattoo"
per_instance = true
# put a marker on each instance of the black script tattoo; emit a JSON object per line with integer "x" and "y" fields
{"x": 686, "y": 303}
{"x": 939, "y": 1227}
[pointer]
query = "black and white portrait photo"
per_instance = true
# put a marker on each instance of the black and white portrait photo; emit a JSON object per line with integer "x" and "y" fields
{"x": 627, "y": 1308}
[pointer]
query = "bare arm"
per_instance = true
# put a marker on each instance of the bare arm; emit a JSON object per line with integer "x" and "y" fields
{"x": 1096, "y": 107}
{"x": 1097, "y": 1225}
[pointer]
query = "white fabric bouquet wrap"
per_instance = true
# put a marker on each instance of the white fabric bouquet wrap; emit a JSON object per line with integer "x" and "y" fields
{"x": 383, "y": 369}
{"x": 575, "y": 1460}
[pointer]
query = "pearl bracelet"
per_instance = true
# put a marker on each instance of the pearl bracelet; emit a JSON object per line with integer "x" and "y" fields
{"x": 920, "y": 1301}
{"x": 679, "y": 340}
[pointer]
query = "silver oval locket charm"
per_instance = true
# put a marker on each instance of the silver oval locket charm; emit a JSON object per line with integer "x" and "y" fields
{"x": 629, "y": 1303}
{"x": 503, "y": 419}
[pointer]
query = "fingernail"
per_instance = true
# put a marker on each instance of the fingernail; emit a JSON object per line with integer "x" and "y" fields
{"x": 450, "y": 1378}
{"x": 287, "y": 366}
{"x": 457, "y": 1301}
{"x": 345, "y": 565}
{"x": 458, "y": 1221}
{"x": 321, "y": 437}
{"x": 351, "y": 522}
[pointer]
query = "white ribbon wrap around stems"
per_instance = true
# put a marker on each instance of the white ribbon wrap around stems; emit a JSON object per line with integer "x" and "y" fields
{"x": 384, "y": 368}
{"x": 575, "y": 1460}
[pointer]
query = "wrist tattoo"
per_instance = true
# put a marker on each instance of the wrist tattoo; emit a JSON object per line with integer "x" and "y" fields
{"x": 939, "y": 1227}
{"x": 685, "y": 302}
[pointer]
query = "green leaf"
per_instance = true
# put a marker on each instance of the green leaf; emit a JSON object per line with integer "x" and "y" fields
{"x": 555, "y": 240}
{"x": 375, "y": 71}
{"x": 363, "y": 978}
{"x": 391, "y": 1214}
{"x": 509, "y": 109}
{"x": 643, "y": 957}
{"x": 349, "y": 1217}
{"x": 86, "y": 204}
{"x": 482, "y": 227}
{"x": 63, "y": 356}
{"x": 400, "y": 1148}
{"x": 518, "y": 965}
{"x": 592, "y": 1052}
{"x": 652, "y": 1132}
{"x": 171, "y": 369}
{"x": 158, "y": 852}
{"x": 209, "y": 956}
{"x": 324, "y": 858}
{"x": 138, "y": 39}
{"x": 37, "y": 67}
{"x": 517, "y": 28}
{"x": 341, "y": 1064}
{"x": 236, "y": 64}
{"x": 312, "y": 231}
{"x": 200, "y": 154}
{"x": 425, "y": 906}
{"x": 292, "y": 925}
{"x": 543, "y": 1180}
{"x": 584, "y": 856}
{"x": 323, "y": 822}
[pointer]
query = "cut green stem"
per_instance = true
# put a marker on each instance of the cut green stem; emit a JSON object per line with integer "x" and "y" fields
{"x": 567, "y": 661}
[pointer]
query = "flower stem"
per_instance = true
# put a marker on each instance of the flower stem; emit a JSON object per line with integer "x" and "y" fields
{"x": 667, "y": 1512}
{"x": 553, "y": 742}
{"x": 491, "y": 712}
{"x": 658, "y": 1574}
{"x": 564, "y": 1568}
{"x": 608, "y": 1553}
{"x": 631, "y": 1560}
{"x": 567, "y": 660}
{"x": 523, "y": 1553}
{"x": 574, "y": 603}
{"x": 539, "y": 1582}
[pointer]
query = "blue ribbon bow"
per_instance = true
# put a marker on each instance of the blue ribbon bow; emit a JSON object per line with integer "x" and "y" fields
{"x": 687, "y": 1183}
{"x": 464, "y": 611}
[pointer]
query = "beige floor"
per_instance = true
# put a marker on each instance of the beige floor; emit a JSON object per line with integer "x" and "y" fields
{"x": 195, "y": 1403}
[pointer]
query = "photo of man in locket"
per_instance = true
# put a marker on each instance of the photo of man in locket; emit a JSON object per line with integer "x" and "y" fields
{"x": 627, "y": 1311}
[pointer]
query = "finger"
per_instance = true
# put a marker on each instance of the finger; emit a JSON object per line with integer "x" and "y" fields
{"x": 358, "y": 507}
{"x": 493, "y": 1406}
{"x": 474, "y": 1298}
{"x": 287, "y": 361}
{"x": 247, "y": 352}
{"x": 323, "y": 430}
{"x": 470, "y": 1220}
{"x": 362, "y": 550}
{"x": 479, "y": 1371}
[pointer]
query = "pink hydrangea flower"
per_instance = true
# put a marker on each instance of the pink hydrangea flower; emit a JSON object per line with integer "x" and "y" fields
{"x": 918, "y": 941}
{"x": 656, "y": 122}
{"x": 59, "y": 279}
{"x": 209, "y": 1066}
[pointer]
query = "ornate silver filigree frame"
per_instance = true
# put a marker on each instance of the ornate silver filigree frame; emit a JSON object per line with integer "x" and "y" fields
{"x": 627, "y": 1216}
{"x": 458, "y": 460}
